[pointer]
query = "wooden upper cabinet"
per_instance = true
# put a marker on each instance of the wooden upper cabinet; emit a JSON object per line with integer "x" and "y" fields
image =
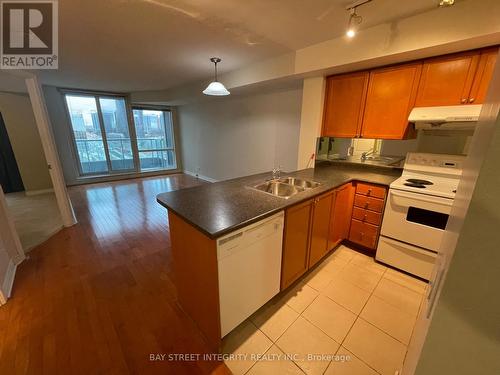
{"x": 295, "y": 243}
{"x": 320, "y": 227}
{"x": 447, "y": 80}
{"x": 341, "y": 215}
{"x": 344, "y": 103}
{"x": 390, "y": 98}
{"x": 482, "y": 78}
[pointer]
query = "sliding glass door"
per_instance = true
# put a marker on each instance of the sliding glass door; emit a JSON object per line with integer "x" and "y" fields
{"x": 155, "y": 139}
{"x": 87, "y": 134}
{"x": 106, "y": 142}
{"x": 116, "y": 127}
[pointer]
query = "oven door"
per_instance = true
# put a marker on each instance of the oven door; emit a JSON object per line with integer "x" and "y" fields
{"x": 417, "y": 219}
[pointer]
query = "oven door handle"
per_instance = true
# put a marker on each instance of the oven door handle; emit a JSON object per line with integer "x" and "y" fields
{"x": 423, "y": 198}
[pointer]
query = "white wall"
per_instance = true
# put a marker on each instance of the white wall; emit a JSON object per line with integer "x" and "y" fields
{"x": 311, "y": 119}
{"x": 25, "y": 140}
{"x": 223, "y": 138}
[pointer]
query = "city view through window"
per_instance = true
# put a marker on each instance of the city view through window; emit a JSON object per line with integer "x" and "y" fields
{"x": 102, "y": 136}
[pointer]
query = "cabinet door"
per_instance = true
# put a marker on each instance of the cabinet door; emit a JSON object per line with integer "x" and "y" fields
{"x": 344, "y": 103}
{"x": 341, "y": 215}
{"x": 447, "y": 80}
{"x": 483, "y": 75}
{"x": 322, "y": 209}
{"x": 295, "y": 243}
{"x": 390, "y": 98}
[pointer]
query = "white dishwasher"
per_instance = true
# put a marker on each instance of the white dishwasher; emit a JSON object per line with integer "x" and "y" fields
{"x": 249, "y": 266}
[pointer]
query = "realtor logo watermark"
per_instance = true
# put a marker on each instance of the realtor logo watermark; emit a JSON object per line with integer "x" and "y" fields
{"x": 29, "y": 34}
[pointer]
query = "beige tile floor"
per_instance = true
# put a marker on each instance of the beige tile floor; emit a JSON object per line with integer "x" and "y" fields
{"x": 36, "y": 217}
{"x": 349, "y": 316}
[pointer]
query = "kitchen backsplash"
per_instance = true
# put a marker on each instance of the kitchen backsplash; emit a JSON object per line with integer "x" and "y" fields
{"x": 437, "y": 142}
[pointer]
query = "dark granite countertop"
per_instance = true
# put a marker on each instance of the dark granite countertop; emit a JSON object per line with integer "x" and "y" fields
{"x": 219, "y": 208}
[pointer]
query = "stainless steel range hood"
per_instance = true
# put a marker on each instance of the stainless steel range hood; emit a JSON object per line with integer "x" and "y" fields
{"x": 457, "y": 117}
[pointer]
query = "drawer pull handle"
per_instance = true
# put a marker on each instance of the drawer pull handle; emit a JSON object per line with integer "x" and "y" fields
{"x": 369, "y": 191}
{"x": 366, "y": 205}
{"x": 364, "y": 218}
{"x": 471, "y": 100}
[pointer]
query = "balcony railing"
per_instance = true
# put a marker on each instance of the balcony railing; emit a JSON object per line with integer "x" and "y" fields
{"x": 153, "y": 154}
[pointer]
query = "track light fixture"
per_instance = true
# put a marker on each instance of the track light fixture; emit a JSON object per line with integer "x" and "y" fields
{"x": 354, "y": 18}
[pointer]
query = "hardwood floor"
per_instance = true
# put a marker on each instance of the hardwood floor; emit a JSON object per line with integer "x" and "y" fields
{"x": 99, "y": 297}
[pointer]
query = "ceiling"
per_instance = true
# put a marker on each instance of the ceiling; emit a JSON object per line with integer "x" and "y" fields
{"x": 134, "y": 45}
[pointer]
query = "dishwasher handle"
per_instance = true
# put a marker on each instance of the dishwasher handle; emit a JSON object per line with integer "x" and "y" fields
{"x": 231, "y": 243}
{"x": 230, "y": 238}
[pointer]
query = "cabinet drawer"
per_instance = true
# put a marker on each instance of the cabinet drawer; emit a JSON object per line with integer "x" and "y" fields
{"x": 367, "y": 216}
{"x": 370, "y": 190}
{"x": 363, "y": 234}
{"x": 369, "y": 203}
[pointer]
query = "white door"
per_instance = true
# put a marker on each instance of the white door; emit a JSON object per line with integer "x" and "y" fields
{"x": 6, "y": 266}
{"x": 11, "y": 252}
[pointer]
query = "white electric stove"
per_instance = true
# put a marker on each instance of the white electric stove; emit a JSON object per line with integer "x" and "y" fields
{"x": 417, "y": 211}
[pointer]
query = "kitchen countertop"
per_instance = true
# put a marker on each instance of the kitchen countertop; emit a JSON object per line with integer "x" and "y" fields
{"x": 222, "y": 207}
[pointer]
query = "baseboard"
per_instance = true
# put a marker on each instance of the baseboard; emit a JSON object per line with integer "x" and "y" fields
{"x": 38, "y": 192}
{"x": 8, "y": 281}
{"x": 201, "y": 177}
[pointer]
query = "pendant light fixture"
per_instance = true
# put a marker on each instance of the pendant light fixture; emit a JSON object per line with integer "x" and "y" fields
{"x": 216, "y": 88}
{"x": 354, "y": 18}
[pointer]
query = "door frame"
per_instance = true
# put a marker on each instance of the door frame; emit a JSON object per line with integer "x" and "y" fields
{"x": 49, "y": 147}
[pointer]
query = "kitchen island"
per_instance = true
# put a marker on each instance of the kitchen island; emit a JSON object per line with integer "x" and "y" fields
{"x": 201, "y": 215}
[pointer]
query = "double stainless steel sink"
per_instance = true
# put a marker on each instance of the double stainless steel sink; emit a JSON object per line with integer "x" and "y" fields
{"x": 286, "y": 187}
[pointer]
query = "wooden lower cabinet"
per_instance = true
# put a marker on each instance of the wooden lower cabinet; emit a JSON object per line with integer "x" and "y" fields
{"x": 341, "y": 215}
{"x": 364, "y": 234}
{"x": 295, "y": 260}
{"x": 369, "y": 202}
{"x": 306, "y": 236}
{"x": 320, "y": 227}
{"x": 195, "y": 267}
{"x": 313, "y": 228}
